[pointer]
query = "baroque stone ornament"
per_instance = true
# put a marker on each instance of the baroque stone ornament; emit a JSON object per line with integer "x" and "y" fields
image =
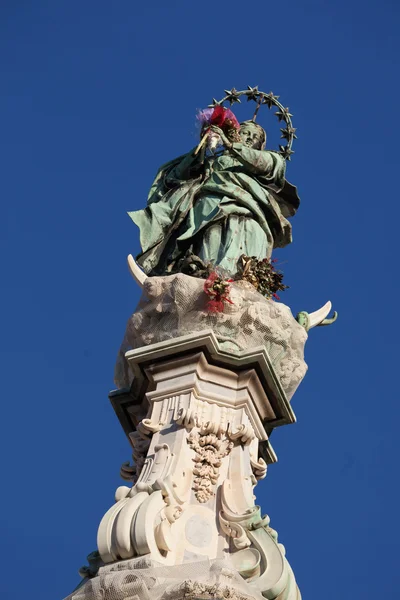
{"x": 197, "y": 590}
{"x": 210, "y": 450}
{"x": 205, "y": 373}
{"x": 206, "y": 423}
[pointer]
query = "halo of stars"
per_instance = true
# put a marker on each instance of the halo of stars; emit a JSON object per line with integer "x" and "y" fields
{"x": 288, "y": 133}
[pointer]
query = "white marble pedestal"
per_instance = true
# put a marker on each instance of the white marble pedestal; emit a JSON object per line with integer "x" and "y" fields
{"x": 198, "y": 419}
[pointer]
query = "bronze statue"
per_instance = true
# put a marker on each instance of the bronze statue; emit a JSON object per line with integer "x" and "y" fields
{"x": 220, "y": 204}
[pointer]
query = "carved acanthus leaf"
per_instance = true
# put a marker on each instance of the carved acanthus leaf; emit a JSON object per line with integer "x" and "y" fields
{"x": 147, "y": 426}
{"x": 259, "y": 467}
{"x": 244, "y": 433}
{"x": 187, "y": 417}
{"x": 235, "y": 531}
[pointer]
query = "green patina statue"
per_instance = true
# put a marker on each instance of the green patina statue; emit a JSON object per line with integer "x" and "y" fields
{"x": 217, "y": 206}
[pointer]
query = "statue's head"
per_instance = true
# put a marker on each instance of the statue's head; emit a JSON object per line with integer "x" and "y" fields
{"x": 253, "y": 135}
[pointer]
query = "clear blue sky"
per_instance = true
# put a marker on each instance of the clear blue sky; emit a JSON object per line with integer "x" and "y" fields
{"x": 94, "y": 96}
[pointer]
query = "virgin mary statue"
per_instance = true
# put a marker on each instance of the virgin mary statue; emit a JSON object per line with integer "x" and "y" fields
{"x": 217, "y": 207}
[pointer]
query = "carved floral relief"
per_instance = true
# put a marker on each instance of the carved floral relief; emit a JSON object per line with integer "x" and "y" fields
{"x": 210, "y": 450}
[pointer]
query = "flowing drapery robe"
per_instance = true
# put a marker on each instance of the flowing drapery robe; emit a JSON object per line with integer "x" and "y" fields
{"x": 232, "y": 204}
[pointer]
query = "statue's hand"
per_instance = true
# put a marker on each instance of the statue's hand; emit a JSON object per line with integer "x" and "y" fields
{"x": 221, "y": 134}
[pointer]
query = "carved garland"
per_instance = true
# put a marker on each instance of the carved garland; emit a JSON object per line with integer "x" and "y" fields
{"x": 197, "y": 589}
{"x": 210, "y": 450}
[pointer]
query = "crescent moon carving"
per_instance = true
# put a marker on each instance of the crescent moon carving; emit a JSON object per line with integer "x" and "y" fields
{"x": 138, "y": 275}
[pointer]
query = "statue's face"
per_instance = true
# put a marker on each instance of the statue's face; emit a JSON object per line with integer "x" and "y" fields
{"x": 251, "y": 136}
